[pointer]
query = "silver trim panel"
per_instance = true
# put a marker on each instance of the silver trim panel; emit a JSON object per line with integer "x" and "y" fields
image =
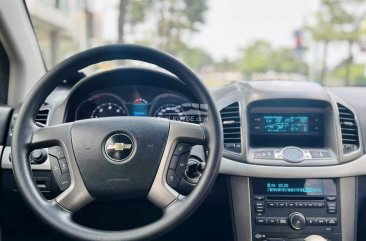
{"x": 349, "y": 169}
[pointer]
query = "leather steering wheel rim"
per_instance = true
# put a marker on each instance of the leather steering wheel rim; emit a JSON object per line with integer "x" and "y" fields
{"x": 25, "y": 132}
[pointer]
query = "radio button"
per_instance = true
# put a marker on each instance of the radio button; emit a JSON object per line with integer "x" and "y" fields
{"x": 319, "y": 204}
{"x": 281, "y": 205}
{"x": 332, "y": 210}
{"x": 271, "y": 204}
{"x": 259, "y": 210}
{"x": 300, "y": 204}
{"x": 259, "y": 197}
{"x": 290, "y": 204}
{"x": 309, "y": 205}
{"x": 260, "y": 220}
{"x": 259, "y": 204}
{"x": 332, "y": 221}
{"x": 331, "y": 204}
{"x": 332, "y": 207}
{"x": 271, "y": 221}
{"x": 331, "y": 198}
{"x": 311, "y": 221}
{"x": 282, "y": 221}
{"x": 259, "y": 207}
{"x": 321, "y": 221}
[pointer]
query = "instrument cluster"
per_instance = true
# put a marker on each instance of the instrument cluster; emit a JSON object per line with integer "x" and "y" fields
{"x": 135, "y": 101}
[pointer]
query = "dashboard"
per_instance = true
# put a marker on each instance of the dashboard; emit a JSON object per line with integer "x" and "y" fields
{"x": 293, "y": 151}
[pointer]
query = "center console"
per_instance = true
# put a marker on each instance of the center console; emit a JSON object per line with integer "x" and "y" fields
{"x": 292, "y": 209}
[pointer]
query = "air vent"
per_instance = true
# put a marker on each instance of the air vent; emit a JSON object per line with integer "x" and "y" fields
{"x": 350, "y": 139}
{"x": 42, "y": 117}
{"x": 230, "y": 117}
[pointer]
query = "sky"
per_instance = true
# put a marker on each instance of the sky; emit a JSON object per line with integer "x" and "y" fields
{"x": 231, "y": 24}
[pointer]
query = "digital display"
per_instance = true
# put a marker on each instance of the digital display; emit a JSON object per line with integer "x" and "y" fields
{"x": 294, "y": 187}
{"x": 286, "y": 124}
{"x": 139, "y": 107}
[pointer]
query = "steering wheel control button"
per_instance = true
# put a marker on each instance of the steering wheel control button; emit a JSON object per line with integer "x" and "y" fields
{"x": 59, "y": 167}
{"x": 119, "y": 147}
{"x": 174, "y": 161}
{"x": 182, "y": 148}
{"x": 63, "y": 165}
{"x": 297, "y": 221}
{"x": 293, "y": 154}
{"x": 64, "y": 181}
{"x": 182, "y": 165}
{"x": 172, "y": 179}
{"x": 38, "y": 156}
{"x": 178, "y": 164}
{"x": 55, "y": 167}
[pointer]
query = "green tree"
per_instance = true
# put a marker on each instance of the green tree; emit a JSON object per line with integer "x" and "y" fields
{"x": 131, "y": 12}
{"x": 261, "y": 57}
{"x": 174, "y": 21}
{"x": 337, "y": 21}
{"x": 176, "y": 18}
{"x": 256, "y": 58}
{"x": 196, "y": 58}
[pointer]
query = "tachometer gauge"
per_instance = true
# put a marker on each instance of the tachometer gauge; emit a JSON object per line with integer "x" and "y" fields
{"x": 108, "y": 110}
{"x": 101, "y": 105}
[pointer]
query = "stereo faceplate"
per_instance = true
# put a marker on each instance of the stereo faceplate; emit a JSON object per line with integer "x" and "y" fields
{"x": 295, "y": 209}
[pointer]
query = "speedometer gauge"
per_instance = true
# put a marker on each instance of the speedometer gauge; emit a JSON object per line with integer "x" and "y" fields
{"x": 170, "y": 106}
{"x": 171, "y": 112}
{"x": 101, "y": 105}
{"x": 107, "y": 110}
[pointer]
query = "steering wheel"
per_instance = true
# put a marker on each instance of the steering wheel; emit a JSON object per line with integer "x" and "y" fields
{"x": 119, "y": 157}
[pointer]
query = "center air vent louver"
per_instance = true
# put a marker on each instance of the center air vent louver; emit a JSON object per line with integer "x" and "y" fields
{"x": 42, "y": 117}
{"x": 350, "y": 139}
{"x": 230, "y": 117}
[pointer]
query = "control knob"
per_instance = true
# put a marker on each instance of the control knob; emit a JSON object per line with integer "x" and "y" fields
{"x": 293, "y": 154}
{"x": 296, "y": 221}
{"x": 38, "y": 156}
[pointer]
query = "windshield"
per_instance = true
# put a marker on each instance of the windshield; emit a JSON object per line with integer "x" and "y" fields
{"x": 223, "y": 41}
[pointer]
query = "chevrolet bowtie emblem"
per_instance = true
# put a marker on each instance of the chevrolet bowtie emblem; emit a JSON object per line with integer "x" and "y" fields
{"x": 119, "y": 146}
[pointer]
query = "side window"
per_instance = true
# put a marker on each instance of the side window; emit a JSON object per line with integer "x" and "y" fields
{"x": 4, "y": 75}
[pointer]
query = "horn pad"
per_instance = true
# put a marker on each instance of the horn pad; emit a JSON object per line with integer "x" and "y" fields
{"x": 118, "y": 157}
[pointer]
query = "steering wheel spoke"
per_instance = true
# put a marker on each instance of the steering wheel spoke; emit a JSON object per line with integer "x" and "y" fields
{"x": 51, "y": 135}
{"x": 63, "y": 164}
{"x": 182, "y": 136}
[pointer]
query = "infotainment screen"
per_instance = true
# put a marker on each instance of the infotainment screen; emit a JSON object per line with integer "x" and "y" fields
{"x": 294, "y": 186}
{"x": 286, "y": 124}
